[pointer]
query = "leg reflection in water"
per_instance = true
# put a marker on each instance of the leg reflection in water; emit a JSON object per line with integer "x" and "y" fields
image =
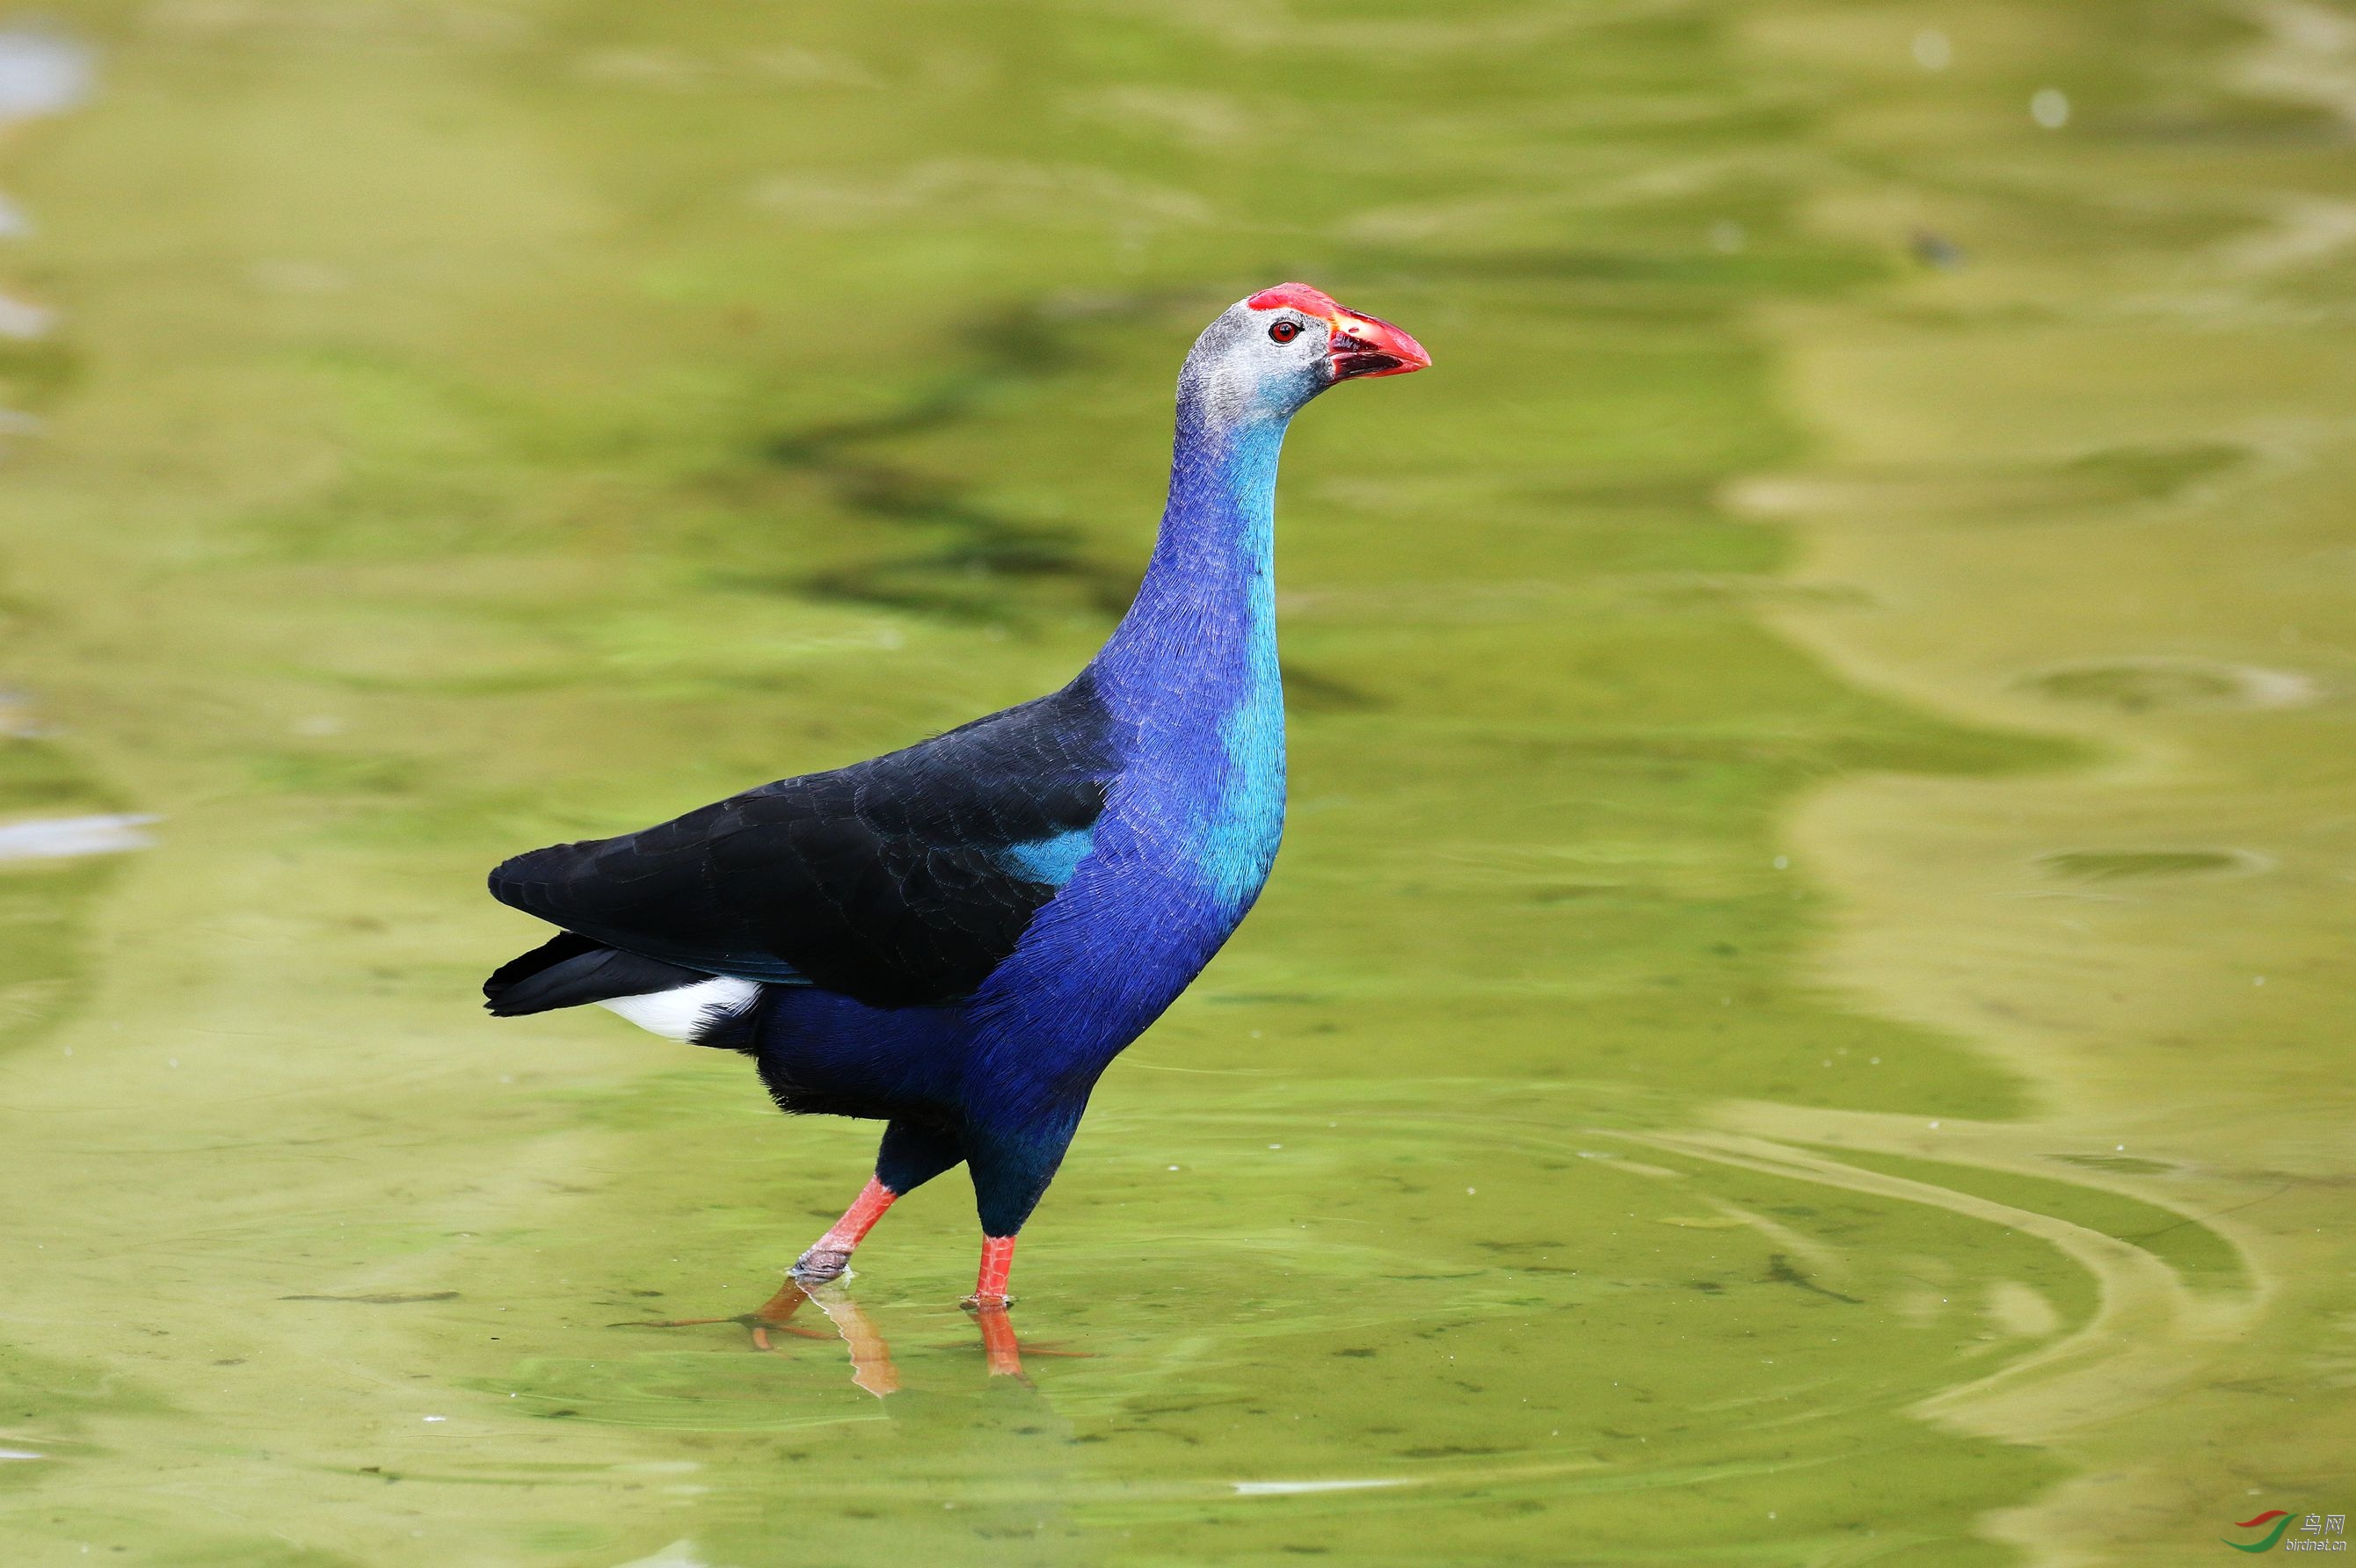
{"x": 871, "y": 1356}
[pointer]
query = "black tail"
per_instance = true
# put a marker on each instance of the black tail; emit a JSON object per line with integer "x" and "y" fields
{"x": 571, "y": 970}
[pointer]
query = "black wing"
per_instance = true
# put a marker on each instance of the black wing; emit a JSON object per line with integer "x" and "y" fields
{"x": 902, "y": 881}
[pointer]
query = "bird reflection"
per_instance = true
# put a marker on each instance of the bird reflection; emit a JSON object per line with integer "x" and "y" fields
{"x": 870, "y": 1354}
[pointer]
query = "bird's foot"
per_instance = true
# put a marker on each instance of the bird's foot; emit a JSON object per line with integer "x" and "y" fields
{"x": 1004, "y": 1350}
{"x": 772, "y": 1314}
{"x": 871, "y": 1358}
{"x": 998, "y": 1341}
{"x": 820, "y": 1265}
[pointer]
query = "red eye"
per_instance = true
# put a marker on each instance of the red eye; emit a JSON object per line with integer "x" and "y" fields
{"x": 1285, "y": 331}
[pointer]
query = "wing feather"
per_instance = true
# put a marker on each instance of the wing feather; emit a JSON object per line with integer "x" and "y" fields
{"x": 901, "y": 881}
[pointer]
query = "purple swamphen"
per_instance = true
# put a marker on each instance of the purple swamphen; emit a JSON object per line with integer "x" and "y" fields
{"x": 956, "y": 939}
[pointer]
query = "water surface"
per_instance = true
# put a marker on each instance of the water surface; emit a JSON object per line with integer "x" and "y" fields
{"x": 1795, "y": 1019}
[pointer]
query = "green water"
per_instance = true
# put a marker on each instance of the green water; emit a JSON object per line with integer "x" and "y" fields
{"x": 1800, "y": 1017}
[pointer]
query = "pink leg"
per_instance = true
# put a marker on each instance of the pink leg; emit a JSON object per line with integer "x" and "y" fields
{"x": 831, "y": 1253}
{"x": 997, "y": 1262}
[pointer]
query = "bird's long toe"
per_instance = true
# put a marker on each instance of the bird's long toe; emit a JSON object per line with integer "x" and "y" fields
{"x": 771, "y": 1314}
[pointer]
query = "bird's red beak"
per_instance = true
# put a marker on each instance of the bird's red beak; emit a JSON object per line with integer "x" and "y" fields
{"x": 1369, "y": 346}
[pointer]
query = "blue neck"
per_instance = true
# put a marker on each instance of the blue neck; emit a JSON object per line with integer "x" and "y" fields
{"x": 1191, "y": 673}
{"x": 1204, "y": 617}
